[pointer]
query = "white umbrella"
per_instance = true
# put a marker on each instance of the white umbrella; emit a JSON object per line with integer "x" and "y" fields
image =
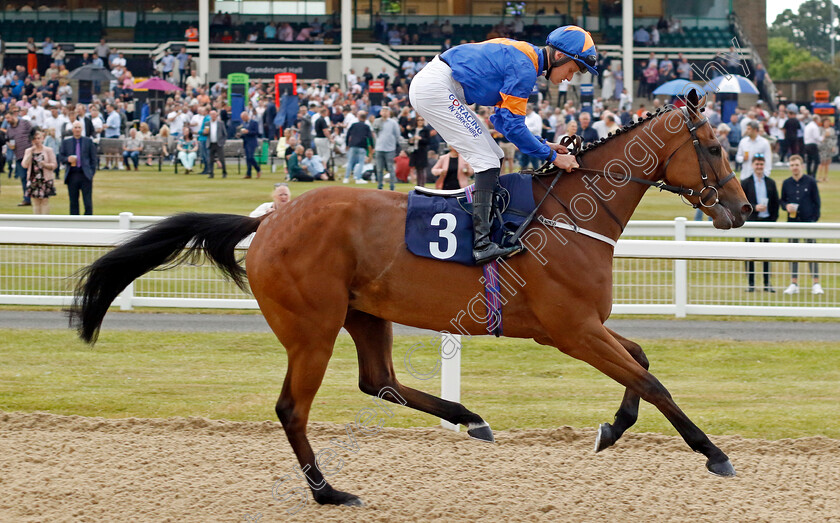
{"x": 732, "y": 83}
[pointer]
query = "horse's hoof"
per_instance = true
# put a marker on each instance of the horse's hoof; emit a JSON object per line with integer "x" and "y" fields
{"x": 723, "y": 468}
{"x": 481, "y": 432}
{"x": 330, "y": 496}
{"x": 605, "y": 438}
{"x": 355, "y": 501}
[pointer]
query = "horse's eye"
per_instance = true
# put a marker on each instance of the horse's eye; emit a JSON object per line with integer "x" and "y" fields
{"x": 715, "y": 150}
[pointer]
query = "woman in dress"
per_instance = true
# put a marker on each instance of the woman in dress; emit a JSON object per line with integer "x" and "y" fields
{"x": 618, "y": 78}
{"x": 419, "y": 159}
{"x": 827, "y": 148}
{"x": 166, "y": 137}
{"x": 187, "y": 147}
{"x": 608, "y": 89}
{"x": 40, "y": 164}
{"x": 145, "y": 135}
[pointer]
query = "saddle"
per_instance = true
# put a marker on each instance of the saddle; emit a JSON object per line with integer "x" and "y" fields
{"x": 439, "y": 222}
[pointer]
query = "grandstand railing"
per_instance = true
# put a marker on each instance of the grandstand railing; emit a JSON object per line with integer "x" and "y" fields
{"x": 251, "y": 51}
{"x": 613, "y": 51}
{"x": 678, "y": 268}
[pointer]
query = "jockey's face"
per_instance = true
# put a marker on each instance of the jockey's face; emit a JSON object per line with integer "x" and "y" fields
{"x": 563, "y": 72}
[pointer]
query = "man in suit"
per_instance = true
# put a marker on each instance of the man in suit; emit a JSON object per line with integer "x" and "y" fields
{"x": 762, "y": 194}
{"x": 269, "y": 116}
{"x": 250, "y": 131}
{"x": 78, "y": 153}
{"x": 216, "y": 138}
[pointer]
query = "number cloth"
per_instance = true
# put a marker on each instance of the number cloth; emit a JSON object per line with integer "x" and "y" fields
{"x": 439, "y": 228}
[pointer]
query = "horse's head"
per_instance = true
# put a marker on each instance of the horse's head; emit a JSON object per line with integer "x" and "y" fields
{"x": 704, "y": 168}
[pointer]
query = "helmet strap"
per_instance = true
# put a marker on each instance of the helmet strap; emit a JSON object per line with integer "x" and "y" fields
{"x": 550, "y": 62}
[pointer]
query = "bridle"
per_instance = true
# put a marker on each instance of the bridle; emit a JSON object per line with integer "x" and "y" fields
{"x": 702, "y": 195}
{"x": 712, "y": 189}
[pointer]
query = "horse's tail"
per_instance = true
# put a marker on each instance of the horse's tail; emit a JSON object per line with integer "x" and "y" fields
{"x": 163, "y": 243}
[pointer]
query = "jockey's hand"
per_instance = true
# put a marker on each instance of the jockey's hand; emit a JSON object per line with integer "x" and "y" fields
{"x": 566, "y": 162}
{"x": 561, "y": 149}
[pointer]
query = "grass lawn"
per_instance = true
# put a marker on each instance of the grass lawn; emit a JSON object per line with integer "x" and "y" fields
{"x": 763, "y": 390}
{"x": 149, "y": 192}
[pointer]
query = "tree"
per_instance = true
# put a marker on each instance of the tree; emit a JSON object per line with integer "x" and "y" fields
{"x": 789, "y": 62}
{"x": 812, "y": 28}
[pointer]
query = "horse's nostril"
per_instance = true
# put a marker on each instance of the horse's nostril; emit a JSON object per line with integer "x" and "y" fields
{"x": 746, "y": 210}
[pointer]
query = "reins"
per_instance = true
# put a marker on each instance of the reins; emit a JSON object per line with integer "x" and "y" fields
{"x": 549, "y": 168}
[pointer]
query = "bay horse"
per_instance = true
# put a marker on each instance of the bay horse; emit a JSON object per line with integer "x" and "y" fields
{"x": 336, "y": 257}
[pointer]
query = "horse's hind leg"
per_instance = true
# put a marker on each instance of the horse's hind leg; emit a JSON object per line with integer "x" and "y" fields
{"x": 374, "y": 340}
{"x": 628, "y": 412}
{"x": 597, "y": 346}
{"x": 308, "y": 357}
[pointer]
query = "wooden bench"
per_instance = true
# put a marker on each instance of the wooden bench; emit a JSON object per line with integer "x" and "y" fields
{"x": 153, "y": 148}
{"x": 233, "y": 149}
{"x": 110, "y": 146}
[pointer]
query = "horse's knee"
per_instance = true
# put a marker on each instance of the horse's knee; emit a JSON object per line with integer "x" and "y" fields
{"x": 636, "y": 351}
{"x": 651, "y": 389}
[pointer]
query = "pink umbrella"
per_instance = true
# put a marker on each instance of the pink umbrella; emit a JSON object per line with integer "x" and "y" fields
{"x": 157, "y": 84}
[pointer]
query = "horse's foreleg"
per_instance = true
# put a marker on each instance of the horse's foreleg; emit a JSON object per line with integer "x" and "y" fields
{"x": 374, "y": 341}
{"x": 308, "y": 358}
{"x": 628, "y": 412}
{"x": 600, "y": 349}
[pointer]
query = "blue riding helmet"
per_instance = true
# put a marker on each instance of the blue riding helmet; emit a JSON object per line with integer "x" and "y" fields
{"x": 577, "y": 45}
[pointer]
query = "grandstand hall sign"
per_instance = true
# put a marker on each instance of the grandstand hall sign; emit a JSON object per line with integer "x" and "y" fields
{"x": 268, "y": 68}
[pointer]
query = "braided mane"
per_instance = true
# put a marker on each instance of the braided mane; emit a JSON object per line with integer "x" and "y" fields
{"x": 629, "y": 127}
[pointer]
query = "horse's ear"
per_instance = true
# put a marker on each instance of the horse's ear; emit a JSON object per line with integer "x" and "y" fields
{"x": 695, "y": 103}
{"x": 692, "y": 100}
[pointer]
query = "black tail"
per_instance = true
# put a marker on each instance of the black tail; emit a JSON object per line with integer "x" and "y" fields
{"x": 163, "y": 243}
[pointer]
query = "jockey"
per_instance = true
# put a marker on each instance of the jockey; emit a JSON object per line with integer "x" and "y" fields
{"x": 499, "y": 72}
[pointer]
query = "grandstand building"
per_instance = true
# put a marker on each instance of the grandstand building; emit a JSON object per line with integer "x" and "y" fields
{"x": 383, "y": 34}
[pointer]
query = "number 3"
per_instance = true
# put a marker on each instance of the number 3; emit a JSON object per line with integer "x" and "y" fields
{"x": 445, "y": 234}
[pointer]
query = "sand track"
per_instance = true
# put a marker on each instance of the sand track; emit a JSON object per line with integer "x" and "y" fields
{"x": 70, "y": 468}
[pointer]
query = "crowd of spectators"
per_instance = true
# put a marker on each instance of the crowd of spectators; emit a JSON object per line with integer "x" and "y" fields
{"x": 225, "y": 29}
{"x": 437, "y": 32}
{"x": 324, "y": 127}
{"x": 645, "y": 36}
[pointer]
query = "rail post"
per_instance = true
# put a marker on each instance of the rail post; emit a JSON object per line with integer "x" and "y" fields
{"x": 127, "y": 295}
{"x": 450, "y": 372}
{"x": 680, "y": 271}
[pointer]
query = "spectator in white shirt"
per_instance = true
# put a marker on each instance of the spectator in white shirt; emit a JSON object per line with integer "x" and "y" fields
{"x": 176, "y": 122}
{"x": 813, "y": 137}
{"x": 37, "y": 115}
{"x": 749, "y": 146}
{"x": 57, "y": 121}
{"x": 533, "y": 122}
{"x": 279, "y": 196}
{"x": 196, "y": 120}
{"x": 194, "y": 82}
{"x": 750, "y": 117}
{"x": 352, "y": 79}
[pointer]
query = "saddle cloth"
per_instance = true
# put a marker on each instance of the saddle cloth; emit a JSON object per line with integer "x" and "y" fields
{"x": 441, "y": 228}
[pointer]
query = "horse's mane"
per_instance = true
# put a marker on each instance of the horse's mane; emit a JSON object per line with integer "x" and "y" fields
{"x": 627, "y": 128}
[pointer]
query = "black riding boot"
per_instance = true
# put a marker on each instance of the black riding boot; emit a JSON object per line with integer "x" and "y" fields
{"x": 484, "y": 250}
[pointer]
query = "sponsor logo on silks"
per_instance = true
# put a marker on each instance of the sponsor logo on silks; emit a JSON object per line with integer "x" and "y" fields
{"x": 463, "y": 115}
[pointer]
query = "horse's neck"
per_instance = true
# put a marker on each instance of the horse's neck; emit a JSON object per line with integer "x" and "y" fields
{"x": 649, "y": 140}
